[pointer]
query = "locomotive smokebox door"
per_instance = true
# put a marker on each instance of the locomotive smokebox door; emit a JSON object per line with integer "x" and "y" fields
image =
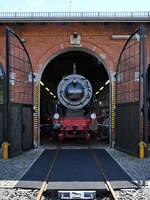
{"x": 74, "y": 91}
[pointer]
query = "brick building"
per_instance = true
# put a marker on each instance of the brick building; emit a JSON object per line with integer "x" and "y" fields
{"x": 54, "y": 41}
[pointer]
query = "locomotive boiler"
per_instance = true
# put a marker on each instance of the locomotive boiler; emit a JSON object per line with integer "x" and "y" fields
{"x": 75, "y": 112}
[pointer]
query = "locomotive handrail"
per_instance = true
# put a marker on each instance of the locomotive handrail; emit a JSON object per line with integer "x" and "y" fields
{"x": 48, "y": 15}
{"x": 45, "y": 125}
{"x": 103, "y": 125}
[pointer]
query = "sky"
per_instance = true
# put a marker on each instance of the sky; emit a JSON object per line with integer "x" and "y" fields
{"x": 77, "y": 5}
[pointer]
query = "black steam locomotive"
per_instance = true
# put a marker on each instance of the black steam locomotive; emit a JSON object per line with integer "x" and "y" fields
{"x": 75, "y": 112}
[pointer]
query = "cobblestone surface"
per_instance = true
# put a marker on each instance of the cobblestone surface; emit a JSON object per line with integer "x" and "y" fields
{"x": 138, "y": 169}
{"x": 12, "y": 170}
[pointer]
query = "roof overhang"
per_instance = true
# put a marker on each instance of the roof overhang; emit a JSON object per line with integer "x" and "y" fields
{"x": 71, "y": 19}
{"x": 37, "y": 17}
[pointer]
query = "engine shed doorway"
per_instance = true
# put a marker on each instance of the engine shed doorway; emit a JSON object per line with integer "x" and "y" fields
{"x": 91, "y": 67}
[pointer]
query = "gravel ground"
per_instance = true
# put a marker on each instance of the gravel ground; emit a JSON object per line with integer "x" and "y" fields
{"x": 138, "y": 169}
{"x": 12, "y": 170}
{"x": 17, "y": 194}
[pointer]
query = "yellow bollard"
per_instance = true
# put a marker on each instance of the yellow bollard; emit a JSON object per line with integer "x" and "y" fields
{"x": 5, "y": 149}
{"x": 142, "y": 145}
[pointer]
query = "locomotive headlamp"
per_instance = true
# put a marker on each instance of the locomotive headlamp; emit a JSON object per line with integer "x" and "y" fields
{"x": 56, "y": 116}
{"x": 93, "y": 116}
{"x": 74, "y": 82}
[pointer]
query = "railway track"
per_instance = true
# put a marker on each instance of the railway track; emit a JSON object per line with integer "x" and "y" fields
{"x": 108, "y": 185}
{"x": 43, "y": 187}
{"x": 109, "y": 188}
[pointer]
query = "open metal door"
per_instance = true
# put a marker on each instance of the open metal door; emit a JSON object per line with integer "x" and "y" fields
{"x": 19, "y": 108}
{"x": 131, "y": 94}
{"x": 2, "y": 95}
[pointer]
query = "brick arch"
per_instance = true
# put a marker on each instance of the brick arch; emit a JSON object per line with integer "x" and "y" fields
{"x": 103, "y": 55}
{"x": 65, "y": 46}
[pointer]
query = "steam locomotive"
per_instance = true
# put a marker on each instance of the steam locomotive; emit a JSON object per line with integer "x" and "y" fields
{"x": 75, "y": 111}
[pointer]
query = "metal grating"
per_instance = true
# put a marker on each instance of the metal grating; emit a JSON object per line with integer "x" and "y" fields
{"x": 19, "y": 95}
{"x": 20, "y": 72}
{"x": 128, "y": 77}
{"x": 131, "y": 94}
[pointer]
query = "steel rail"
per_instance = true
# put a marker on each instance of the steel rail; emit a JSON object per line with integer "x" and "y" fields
{"x": 43, "y": 187}
{"x": 103, "y": 175}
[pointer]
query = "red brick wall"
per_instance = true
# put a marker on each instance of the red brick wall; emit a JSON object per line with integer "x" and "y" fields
{"x": 44, "y": 40}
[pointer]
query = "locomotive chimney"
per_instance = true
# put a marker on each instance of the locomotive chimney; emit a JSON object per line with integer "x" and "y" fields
{"x": 74, "y": 68}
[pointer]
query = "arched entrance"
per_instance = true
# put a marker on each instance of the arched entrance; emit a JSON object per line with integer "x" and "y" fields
{"x": 90, "y": 65}
{"x": 1, "y": 104}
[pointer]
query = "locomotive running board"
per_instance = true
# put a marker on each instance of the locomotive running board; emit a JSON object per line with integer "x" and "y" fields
{"x": 77, "y": 194}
